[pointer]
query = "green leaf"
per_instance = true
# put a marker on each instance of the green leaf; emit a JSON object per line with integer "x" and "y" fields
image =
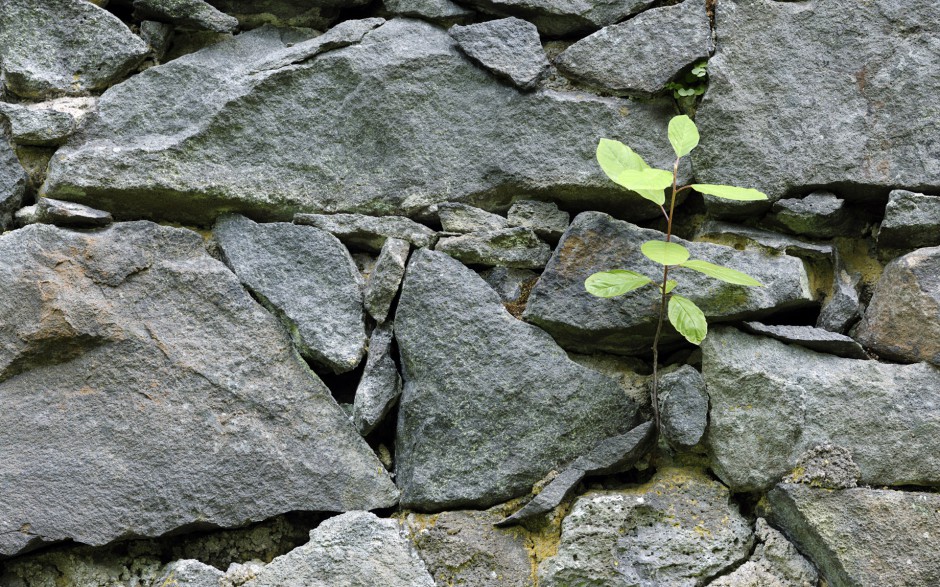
{"x": 614, "y": 158}
{"x": 723, "y": 273}
{"x": 670, "y": 285}
{"x": 729, "y": 192}
{"x": 665, "y": 253}
{"x": 687, "y": 319}
{"x": 656, "y": 196}
{"x": 608, "y": 284}
{"x": 645, "y": 179}
{"x": 686, "y": 91}
{"x": 682, "y": 134}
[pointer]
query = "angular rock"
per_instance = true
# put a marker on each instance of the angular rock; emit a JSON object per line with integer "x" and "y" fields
{"x": 12, "y": 184}
{"x": 775, "y": 563}
{"x": 679, "y": 529}
{"x": 196, "y": 14}
{"x": 640, "y": 56}
{"x": 190, "y": 573}
{"x": 64, "y": 47}
{"x": 828, "y": 466}
{"x": 596, "y": 242}
{"x": 542, "y": 217}
{"x": 47, "y": 124}
{"x": 902, "y": 321}
{"x": 771, "y": 402}
{"x": 743, "y": 237}
{"x": 442, "y": 11}
{"x": 68, "y": 214}
{"x": 509, "y": 247}
{"x": 380, "y": 384}
{"x": 490, "y": 404}
{"x": 557, "y": 18}
{"x": 344, "y": 34}
{"x": 510, "y": 284}
{"x": 683, "y": 407}
{"x": 226, "y": 133}
{"x": 370, "y": 232}
{"x": 863, "y": 536}
{"x": 462, "y": 219}
{"x": 816, "y": 339}
{"x": 509, "y": 47}
{"x": 463, "y": 548}
{"x": 357, "y": 549}
{"x": 911, "y": 221}
{"x": 841, "y": 309}
{"x": 762, "y": 128}
{"x": 818, "y": 215}
{"x": 316, "y": 14}
{"x": 26, "y": 215}
{"x": 145, "y": 391}
{"x": 385, "y": 278}
{"x": 158, "y": 36}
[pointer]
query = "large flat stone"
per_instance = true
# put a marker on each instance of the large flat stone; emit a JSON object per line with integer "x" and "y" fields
{"x": 771, "y": 402}
{"x": 490, "y": 404}
{"x": 143, "y": 390}
{"x": 390, "y": 125}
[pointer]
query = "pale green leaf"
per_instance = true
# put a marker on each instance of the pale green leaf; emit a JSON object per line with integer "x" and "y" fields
{"x": 658, "y": 197}
{"x": 670, "y": 285}
{"x": 607, "y": 284}
{"x": 614, "y": 158}
{"x": 665, "y": 253}
{"x": 645, "y": 179}
{"x": 683, "y": 135}
{"x": 729, "y": 192}
{"x": 723, "y": 273}
{"x": 687, "y": 319}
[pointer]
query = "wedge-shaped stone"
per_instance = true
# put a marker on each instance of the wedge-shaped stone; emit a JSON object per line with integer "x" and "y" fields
{"x": 196, "y": 14}
{"x": 508, "y": 47}
{"x": 144, "y": 390}
{"x": 385, "y": 278}
{"x": 490, "y": 404}
{"x": 564, "y": 17}
{"x": 370, "y": 232}
{"x": 772, "y": 402}
{"x": 380, "y": 384}
{"x": 12, "y": 184}
{"x": 516, "y": 247}
{"x": 911, "y": 221}
{"x": 623, "y": 325}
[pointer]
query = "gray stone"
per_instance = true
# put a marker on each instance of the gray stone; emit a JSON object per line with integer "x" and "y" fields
{"x": 442, "y": 11}
{"x": 509, "y": 283}
{"x": 509, "y": 47}
{"x": 26, "y": 215}
{"x": 902, "y": 321}
{"x": 356, "y": 549}
{"x": 344, "y": 34}
{"x": 145, "y": 391}
{"x": 812, "y": 95}
{"x": 817, "y": 339}
{"x": 612, "y": 455}
{"x": 508, "y": 247}
{"x": 683, "y": 407}
{"x": 817, "y": 215}
{"x": 543, "y": 217}
{"x": 490, "y": 404}
{"x": 68, "y": 214}
{"x": 370, "y": 232}
{"x": 461, "y": 218}
{"x": 771, "y": 402}
{"x": 775, "y": 563}
{"x": 911, "y": 221}
{"x": 190, "y": 573}
{"x": 223, "y": 135}
{"x": 158, "y": 36}
{"x": 640, "y": 56}
{"x": 596, "y": 242}
{"x": 863, "y": 536}
{"x": 46, "y": 124}
{"x": 59, "y": 47}
{"x": 12, "y": 184}
{"x": 380, "y": 384}
{"x": 316, "y": 14}
{"x": 196, "y": 14}
{"x": 841, "y": 308}
{"x": 307, "y": 278}
{"x": 557, "y": 18}
{"x": 828, "y": 466}
{"x": 746, "y": 237}
{"x": 385, "y": 278}
{"x": 679, "y": 529}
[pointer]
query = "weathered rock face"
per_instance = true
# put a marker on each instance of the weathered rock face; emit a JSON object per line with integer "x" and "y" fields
{"x": 490, "y": 404}
{"x": 770, "y": 402}
{"x": 509, "y": 247}
{"x": 307, "y": 278}
{"x": 563, "y": 17}
{"x": 596, "y": 242}
{"x": 12, "y": 184}
{"x": 911, "y": 221}
{"x": 187, "y": 13}
{"x": 317, "y": 14}
{"x": 818, "y": 215}
{"x": 64, "y": 47}
{"x": 461, "y": 219}
{"x": 368, "y": 232}
{"x": 810, "y": 95}
{"x": 143, "y": 390}
{"x": 230, "y": 128}
{"x": 679, "y": 529}
{"x": 47, "y": 123}
{"x": 68, "y": 214}
{"x": 508, "y": 47}
{"x": 385, "y": 278}
{"x": 863, "y": 536}
{"x": 775, "y": 563}
{"x": 380, "y": 384}
{"x": 542, "y": 217}
{"x": 683, "y": 407}
{"x": 902, "y": 321}
{"x": 443, "y": 11}
{"x": 817, "y": 339}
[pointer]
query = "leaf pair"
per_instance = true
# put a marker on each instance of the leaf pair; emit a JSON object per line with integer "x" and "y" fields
{"x": 627, "y": 169}
{"x": 672, "y": 254}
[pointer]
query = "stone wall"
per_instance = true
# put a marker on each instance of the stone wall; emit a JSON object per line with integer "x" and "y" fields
{"x": 292, "y": 293}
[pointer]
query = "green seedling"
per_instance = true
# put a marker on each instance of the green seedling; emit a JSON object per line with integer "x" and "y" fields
{"x": 626, "y": 168}
{"x": 690, "y": 86}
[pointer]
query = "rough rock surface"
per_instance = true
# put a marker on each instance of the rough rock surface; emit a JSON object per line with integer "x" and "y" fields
{"x": 509, "y": 247}
{"x": 683, "y": 407}
{"x": 144, "y": 390}
{"x": 228, "y": 128}
{"x": 307, "y": 278}
{"x": 462, "y": 219}
{"x": 196, "y": 14}
{"x": 508, "y": 47}
{"x": 744, "y": 237}
{"x": 556, "y": 18}
{"x": 911, "y": 221}
{"x": 640, "y": 56}
{"x": 828, "y": 466}
{"x": 817, "y": 215}
{"x": 380, "y": 384}
{"x": 814, "y": 94}
{"x": 817, "y": 339}
{"x": 385, "y": 278}
{"x": 509, "y": 283}
{"x": 775, "y": 563}
{"x": 678, "y": 529}
{"x": 490, "y": 404}
{"x": 443, "y": 11}
{"x": 863, "y": 536}
{"x": 68, "y": 214}
{"x": 596, "y": 242}
{"x": 47, "y": 123}
{"x": 771, "y": 402}
{"x": 370, "y": 232}
{"x": 542, "y": 217}
{"x": 190, "y": 573}
{"x": 12, "y": 184}
{"x": 841, "y": 309}
{"x": 316, "y": 14}
{"x": 355, "y": 549}
{"x": 902, "y": 321}
{"x": 59, "y": 47}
